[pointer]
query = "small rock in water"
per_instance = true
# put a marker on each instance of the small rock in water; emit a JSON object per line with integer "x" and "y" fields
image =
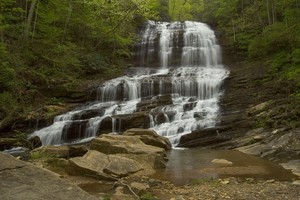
{"x": 233, "y": 180}
{"x": 221, "y": 162}
{"x": 250, "y": 180}
{"x": 139, "y": 188}
{"x": 270, "y": 181}
{"x": 119, "y": 191}
{"x": 296, "y": 182}
{"x": 225, "y": 182}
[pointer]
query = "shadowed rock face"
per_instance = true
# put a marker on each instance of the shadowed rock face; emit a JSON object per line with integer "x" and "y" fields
{"x": 149, "y": 137}
{"x": 21, "y": 180}
{"x": 150, "y": 56}
{"x": 61, "y": 151}
{"x": 204, "y": 137}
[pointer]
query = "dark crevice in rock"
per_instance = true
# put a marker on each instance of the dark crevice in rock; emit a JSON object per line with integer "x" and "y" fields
{"x": 12, "y": 168}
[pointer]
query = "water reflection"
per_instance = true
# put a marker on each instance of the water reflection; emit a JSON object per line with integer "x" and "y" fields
{"x": 186, "y": 165}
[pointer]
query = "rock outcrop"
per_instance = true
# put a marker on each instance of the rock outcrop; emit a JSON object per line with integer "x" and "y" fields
{"x": 204, "y": 137}
{"x": 119, "y": 144}
{"x": 22, "y": 180}
{"x": 137, "y": 151}
{"x": 124, "y": 122}
{"x": 108, "y": 167}
{"x": 60, "y": 151}
{"x": 149, "y": 137}
{"x": 7, "y": 143}
{"x": 19, "y": 141}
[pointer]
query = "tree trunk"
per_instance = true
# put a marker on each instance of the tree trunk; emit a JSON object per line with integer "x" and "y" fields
{"x": 274, "y": 16}
{"x": 29, "y": 19}
{"x": 233, "y": 29}
{"x": 268, "y": 12}
{"x": 70, "y": 11}
{"x": 258, "y": 15}
{"x": 173, "y": 10}
{"x": 35, "y": 19}
{"x": 25, "y": 13}
{"x": 2, "y": 36}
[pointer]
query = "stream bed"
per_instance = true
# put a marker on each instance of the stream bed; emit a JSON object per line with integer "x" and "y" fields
{"x": 187, "y": 166}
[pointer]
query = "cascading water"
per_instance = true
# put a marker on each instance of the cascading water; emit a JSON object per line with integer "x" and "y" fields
{"x": 173, "y": 89}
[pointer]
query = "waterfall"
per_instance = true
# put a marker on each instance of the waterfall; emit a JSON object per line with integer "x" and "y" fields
{"x": 173, "y": 88}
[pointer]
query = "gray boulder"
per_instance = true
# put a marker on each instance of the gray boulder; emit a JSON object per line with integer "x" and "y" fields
{"x": 102, "y": 166}
{"x": 139, "y": 188}
{"x": 59, "y": 151}
{"x": 120, "y": 144}
{"x": 149, "y": 137}
{"x": 120, "y": 166}
{"x": 22, "y": 180}
{"x": 51, "y": 151}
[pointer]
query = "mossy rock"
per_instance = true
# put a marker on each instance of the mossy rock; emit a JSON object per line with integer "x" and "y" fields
{"x": 50, "y": 152}
{"x": 7, "y": 143}
{"x": 57, "y": 162}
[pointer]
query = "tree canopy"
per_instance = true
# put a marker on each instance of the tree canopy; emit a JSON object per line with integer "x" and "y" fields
{"x": 58, "y": 43}
{"x": 267, "y": 30}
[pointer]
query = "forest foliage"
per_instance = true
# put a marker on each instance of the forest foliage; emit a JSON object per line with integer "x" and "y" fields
{"x": 264, "y": 30}
{"x": 59, "y": 43}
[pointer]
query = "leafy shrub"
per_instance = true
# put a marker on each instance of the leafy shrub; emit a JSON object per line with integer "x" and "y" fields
{"x": 8, "y": 104}
{"x": 7, "y": 77}
{"x": 147, "y": 196}
{"x": 274, "y": 39}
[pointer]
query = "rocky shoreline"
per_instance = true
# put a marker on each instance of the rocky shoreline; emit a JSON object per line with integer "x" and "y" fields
{"x": 121, "y": 167}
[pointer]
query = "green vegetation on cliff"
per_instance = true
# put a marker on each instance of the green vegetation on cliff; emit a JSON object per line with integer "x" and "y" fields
{"x": 266, "y": 30}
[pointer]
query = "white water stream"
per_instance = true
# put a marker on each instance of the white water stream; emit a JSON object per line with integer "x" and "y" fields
{"x": 189, "y": 72}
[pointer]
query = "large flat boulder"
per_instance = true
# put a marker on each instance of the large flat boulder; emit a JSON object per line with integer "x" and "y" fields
{"x": 149, "y": 137}
{"x": 51, "y": 151}
{"x": 148, "y": 162}
{"x": 59, "y": 151}
{"x": 140, "y": 131}
{"x": 119, "y": 144}
{"x": 92, "y": 163}
{"x": 103, "y": 166}
{"x": 127, "y": 154}
{"x": 120, "y": 166}
{"x": 21, "y": 180}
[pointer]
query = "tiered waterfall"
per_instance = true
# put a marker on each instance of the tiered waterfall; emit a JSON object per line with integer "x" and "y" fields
{"x": 173, "y": 88}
